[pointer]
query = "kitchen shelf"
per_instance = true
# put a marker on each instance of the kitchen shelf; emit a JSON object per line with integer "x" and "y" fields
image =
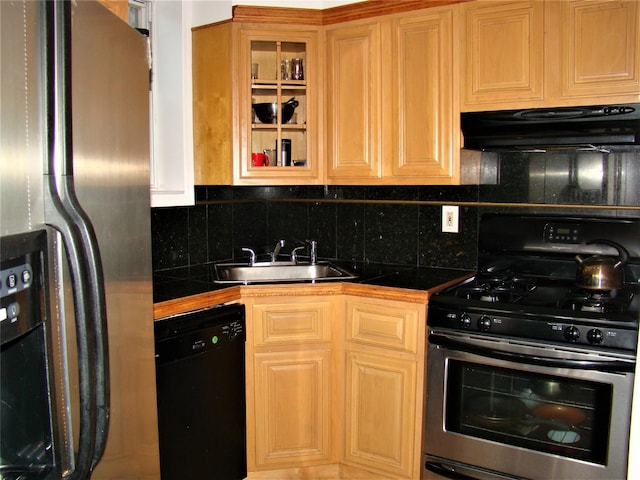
{"x": 270, "y": 57}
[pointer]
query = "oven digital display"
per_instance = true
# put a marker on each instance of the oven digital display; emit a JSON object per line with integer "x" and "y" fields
{"x": 562, "y": 233}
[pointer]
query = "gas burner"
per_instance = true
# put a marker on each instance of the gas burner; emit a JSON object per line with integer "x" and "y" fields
{"x": 597, "y": 301}
{"x": 491, "y": 287}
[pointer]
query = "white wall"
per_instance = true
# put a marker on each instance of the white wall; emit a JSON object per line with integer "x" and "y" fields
{"x": 209, "y": 11}
{"x": 172, "y": 154}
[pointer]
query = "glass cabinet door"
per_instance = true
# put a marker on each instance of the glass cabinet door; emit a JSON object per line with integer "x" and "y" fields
{"x": 280, "y": 107}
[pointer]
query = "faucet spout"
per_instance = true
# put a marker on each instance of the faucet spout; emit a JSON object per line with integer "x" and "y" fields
{"x": 294, "y": 254}
{"x": 276, "y": 250}
{"x": 252, "y": 256}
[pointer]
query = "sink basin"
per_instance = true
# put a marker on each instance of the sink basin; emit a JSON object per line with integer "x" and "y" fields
{"x": 273, "y": 272}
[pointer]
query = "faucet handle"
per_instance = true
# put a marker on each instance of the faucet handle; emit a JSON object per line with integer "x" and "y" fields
{"x": 252, "y": 255}
{"x": 313, "y": 254}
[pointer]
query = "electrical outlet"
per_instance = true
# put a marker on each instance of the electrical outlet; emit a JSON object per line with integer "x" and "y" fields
{"x": 450, "y": 218}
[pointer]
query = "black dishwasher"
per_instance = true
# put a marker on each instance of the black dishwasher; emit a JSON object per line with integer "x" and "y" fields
{"x": 200, "y": 378}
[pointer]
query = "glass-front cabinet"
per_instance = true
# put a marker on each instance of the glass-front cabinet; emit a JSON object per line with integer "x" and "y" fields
{"x": 256, "y": 104}
{"x": 278, "y": 106}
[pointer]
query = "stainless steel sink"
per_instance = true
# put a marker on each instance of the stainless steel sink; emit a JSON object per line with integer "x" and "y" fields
{"x": 274, "y": 272}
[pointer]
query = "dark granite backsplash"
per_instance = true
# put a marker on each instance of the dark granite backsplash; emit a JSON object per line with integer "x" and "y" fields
{"x": 389, "y": 224}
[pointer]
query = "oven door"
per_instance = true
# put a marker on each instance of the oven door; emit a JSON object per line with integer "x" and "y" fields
{"x": 503, "y": 407}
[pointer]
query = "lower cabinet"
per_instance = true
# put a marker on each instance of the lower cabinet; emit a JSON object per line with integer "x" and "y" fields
{"x": 334, "y": 380}
{"x": 290, "y": 381}
{"x": 384, "y": 381}
{"x": 380, "y": 412}
{"x": 292, "y": 409}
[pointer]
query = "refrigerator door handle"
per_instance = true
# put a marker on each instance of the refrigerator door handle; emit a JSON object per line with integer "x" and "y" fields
{"x": 64, "y": 213}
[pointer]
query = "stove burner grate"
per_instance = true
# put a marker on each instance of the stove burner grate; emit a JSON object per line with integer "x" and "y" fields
{"x": 491, "y": 287}
{"x": 597, "y": 301}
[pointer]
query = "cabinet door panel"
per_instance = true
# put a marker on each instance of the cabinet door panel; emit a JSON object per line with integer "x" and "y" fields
{"x": 353, "y": 101}
{"x": 380, "y": 412}
{"x": 601, "y": 48}
{"x": 292, "y": 407}
{"x": 290, "y": 323}
{"x": 503, "y": 52}
{"x": 424, "y": 96}
{"x": 382, "y": 324}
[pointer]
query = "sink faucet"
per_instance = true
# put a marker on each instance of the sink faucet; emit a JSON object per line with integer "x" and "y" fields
{"x": 252, "y": 256}
{"x": 276, "y": 250}
{"x": 313, "y": 253}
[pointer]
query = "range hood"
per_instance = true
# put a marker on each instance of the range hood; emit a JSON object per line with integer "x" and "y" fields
{"x": 542, "y": 128}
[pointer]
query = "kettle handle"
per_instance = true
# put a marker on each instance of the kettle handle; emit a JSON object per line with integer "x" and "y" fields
{"x": 622, "y": 252}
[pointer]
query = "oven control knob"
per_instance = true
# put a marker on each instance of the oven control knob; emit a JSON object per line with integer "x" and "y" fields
{"x": 465, "y": 321}
{"x": 572, "y": 333}
{"x": 484, "y": 323}
{"x": 595, "y": 336}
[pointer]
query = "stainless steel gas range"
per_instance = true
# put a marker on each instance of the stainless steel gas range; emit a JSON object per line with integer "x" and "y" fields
{"x": 532, "y": 360}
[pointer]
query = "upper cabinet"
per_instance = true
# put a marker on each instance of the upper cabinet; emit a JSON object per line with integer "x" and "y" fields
{"x": 502, "y": 53}
{"x": 392, "y": 99}
{"x": 354, "y": 100}
{"x": 378, "y": 97}
{"x": 256, "y": 91}
{"x": 599, "y": 49}
{"x": 537, "y": 53}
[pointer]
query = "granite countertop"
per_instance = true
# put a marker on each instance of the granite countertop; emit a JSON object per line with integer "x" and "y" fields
{"x": 186, "y": 281}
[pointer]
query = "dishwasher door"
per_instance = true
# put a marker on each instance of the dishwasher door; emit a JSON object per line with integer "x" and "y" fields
{"x": 200, "y": 377}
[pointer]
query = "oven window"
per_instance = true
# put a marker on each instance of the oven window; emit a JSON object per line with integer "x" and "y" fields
{"x": 555, "y": 415}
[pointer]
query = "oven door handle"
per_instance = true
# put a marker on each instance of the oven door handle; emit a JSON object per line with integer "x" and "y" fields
{"x": 602, "y": 365}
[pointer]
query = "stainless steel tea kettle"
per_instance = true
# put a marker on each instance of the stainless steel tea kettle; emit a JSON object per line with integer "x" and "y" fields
{"x": 600, "y": 272}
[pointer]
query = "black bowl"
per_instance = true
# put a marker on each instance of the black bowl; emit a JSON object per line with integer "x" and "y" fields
{"x": 266, "y": 112}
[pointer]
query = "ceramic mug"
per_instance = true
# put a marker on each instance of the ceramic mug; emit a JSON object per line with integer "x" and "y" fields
{"x": 258, "y": 159}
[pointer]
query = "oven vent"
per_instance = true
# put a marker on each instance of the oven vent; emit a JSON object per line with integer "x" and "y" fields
{"x": 543, "y": 129}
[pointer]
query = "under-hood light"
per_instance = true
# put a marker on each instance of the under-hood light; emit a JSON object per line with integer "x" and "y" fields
{"x": 563, "y": 148}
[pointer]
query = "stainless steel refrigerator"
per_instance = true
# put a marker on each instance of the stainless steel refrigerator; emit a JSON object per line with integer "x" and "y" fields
{"x": 75, "y": 226}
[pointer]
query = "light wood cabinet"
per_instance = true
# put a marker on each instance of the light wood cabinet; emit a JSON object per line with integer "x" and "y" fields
{"x": 503, "y": 53}
{"x": 599, "y": 49}
{"x": 291, "y": 390}
{"x": 226, "y": 131}
{"x": 539, "y": 53}
{"x": 392, "y": 99}
{"x": 354, "y": 101}
{"x": 384, "y": 369}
